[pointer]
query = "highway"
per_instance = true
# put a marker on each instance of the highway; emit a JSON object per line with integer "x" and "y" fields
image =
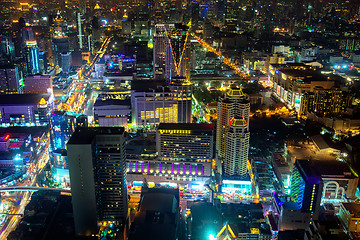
{"x": 13, "y": 220}
{"x": 226, "y": 60}
{"x": 76, "y": 102}
{"x": 86, "y": 73}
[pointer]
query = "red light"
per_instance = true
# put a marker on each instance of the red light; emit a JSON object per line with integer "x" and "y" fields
{"x": 113, "y": 8}
{"x": 230, "y": 122}
{"x": 7, "y": 137}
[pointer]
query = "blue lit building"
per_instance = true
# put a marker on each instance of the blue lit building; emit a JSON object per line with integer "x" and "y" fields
{"x": 306, "y": 187}
{"x": 63, "y": 125}
{"x": 32, "y": 57}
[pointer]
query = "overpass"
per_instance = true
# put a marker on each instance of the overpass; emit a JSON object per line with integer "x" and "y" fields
{"x": 31, "y": 189}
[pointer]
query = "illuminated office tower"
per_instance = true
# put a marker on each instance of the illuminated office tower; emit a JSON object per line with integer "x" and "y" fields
{"x": 236, "y": 148}
{"x": 171, "y": 51}
{"x": 160, "y": 43}
{"x": 62, "y": 126}
{"x": 32, "y": 57}
{"x": 306, "y": 187}
{"x": 234, "y": 104}
{"x": 80, "y": 34}
{"x": 182, "y": 91}
{"x": 9, "y": 79}
{"x": 97, "y": 166}
{"x": 154, "y": 102}
{"x": 7, "y": 48}
{"x": 59, "y": 44}
{"x": 193, "y": 142}
{"x": 66, "y": 62}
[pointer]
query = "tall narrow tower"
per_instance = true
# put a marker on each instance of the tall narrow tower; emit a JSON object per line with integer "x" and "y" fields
{"x": 236, "y": 148}
{"x": 234, "y": 104}
{"x": 96, "y": 158}
{"x": 32, "y": 57}
{"x": 171, "y": 51}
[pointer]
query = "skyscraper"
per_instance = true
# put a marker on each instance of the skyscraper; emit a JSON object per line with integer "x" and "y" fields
{"x": 306, "y": 187}
{"x": 9, "y": 79}
{"x": 236, "y": 148}
{"x": 171, "y": 51}
{"x": 234, "y": 104}
{"x": 154, "y": 102}
{"x": 96, "y": 158}
{"x": 7, "y": 49}
{"x": 32, "y": 57}
{"x": 159, "y": 49}
{"x": 66, "y": 62}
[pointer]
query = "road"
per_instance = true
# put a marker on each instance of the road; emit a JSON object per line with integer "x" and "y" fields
{"x": 13, "y": 221}
{"x": 226, "y": 60}
{"x": 87, "y": 72}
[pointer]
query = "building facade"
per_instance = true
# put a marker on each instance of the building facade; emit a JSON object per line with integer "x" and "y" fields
{"x": 306, "y": 188}
{"x": 325, "y": 102}
{"x": 162, "y": 104}
{"x": 9, "y": 79}
{"x": 185, "y": 142}
{"x": 25, "y": 109}
{"x": 236, "y": 148}
{"x": 292, "y": 81}
{"x": 97, "y": 166}
{"x": 32, "y": 57}
{"x": 234, "y": 104}
{"x": 171, "y": 51}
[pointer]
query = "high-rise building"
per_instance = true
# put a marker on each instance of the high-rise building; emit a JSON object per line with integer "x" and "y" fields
{"x": 159, "y": 49}
{"x": 96, "y": 158}
{"x": 325, "y": 102}
{"x": 9, "y": 79}
{"x": 66, "y": 62}
{"x": 158, "y": 216}
{"x": 60, "y": 44}
{"x": 155, "y": 102}
{"x": 292, "y": 81}
{"x": 62, "y": 126}
{"x": 171, "y": 51}
{"x": 236, "y": 148}
{"x": 43, "y": 63}
{"x": 7, "y": 48}
{"x": 182, "y": 91}
{"x": 306, "y": 187}
{"x": 32, "y": 57}
{"x": 185, "y": 142}
{"x": 234, "y": 104}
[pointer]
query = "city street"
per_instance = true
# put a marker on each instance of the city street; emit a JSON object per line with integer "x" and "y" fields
{"x": 13, "y": 220}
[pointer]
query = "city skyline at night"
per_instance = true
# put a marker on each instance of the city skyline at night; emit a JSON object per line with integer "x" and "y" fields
{"x": 179, "y": 119}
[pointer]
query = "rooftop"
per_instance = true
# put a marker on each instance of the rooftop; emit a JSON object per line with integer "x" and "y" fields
{"x": 23, "y": 99}
{"x": 353, "y": 208}
{"x": 106, "y": 102}
{"x": 235, "y": 92}
{"x": 326, "y": 169}
{"x": 186, "y": 126}
{"x": 238, "y": 122}
{"x": 146, "y": 85}
{"x": 86, "y": 135}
